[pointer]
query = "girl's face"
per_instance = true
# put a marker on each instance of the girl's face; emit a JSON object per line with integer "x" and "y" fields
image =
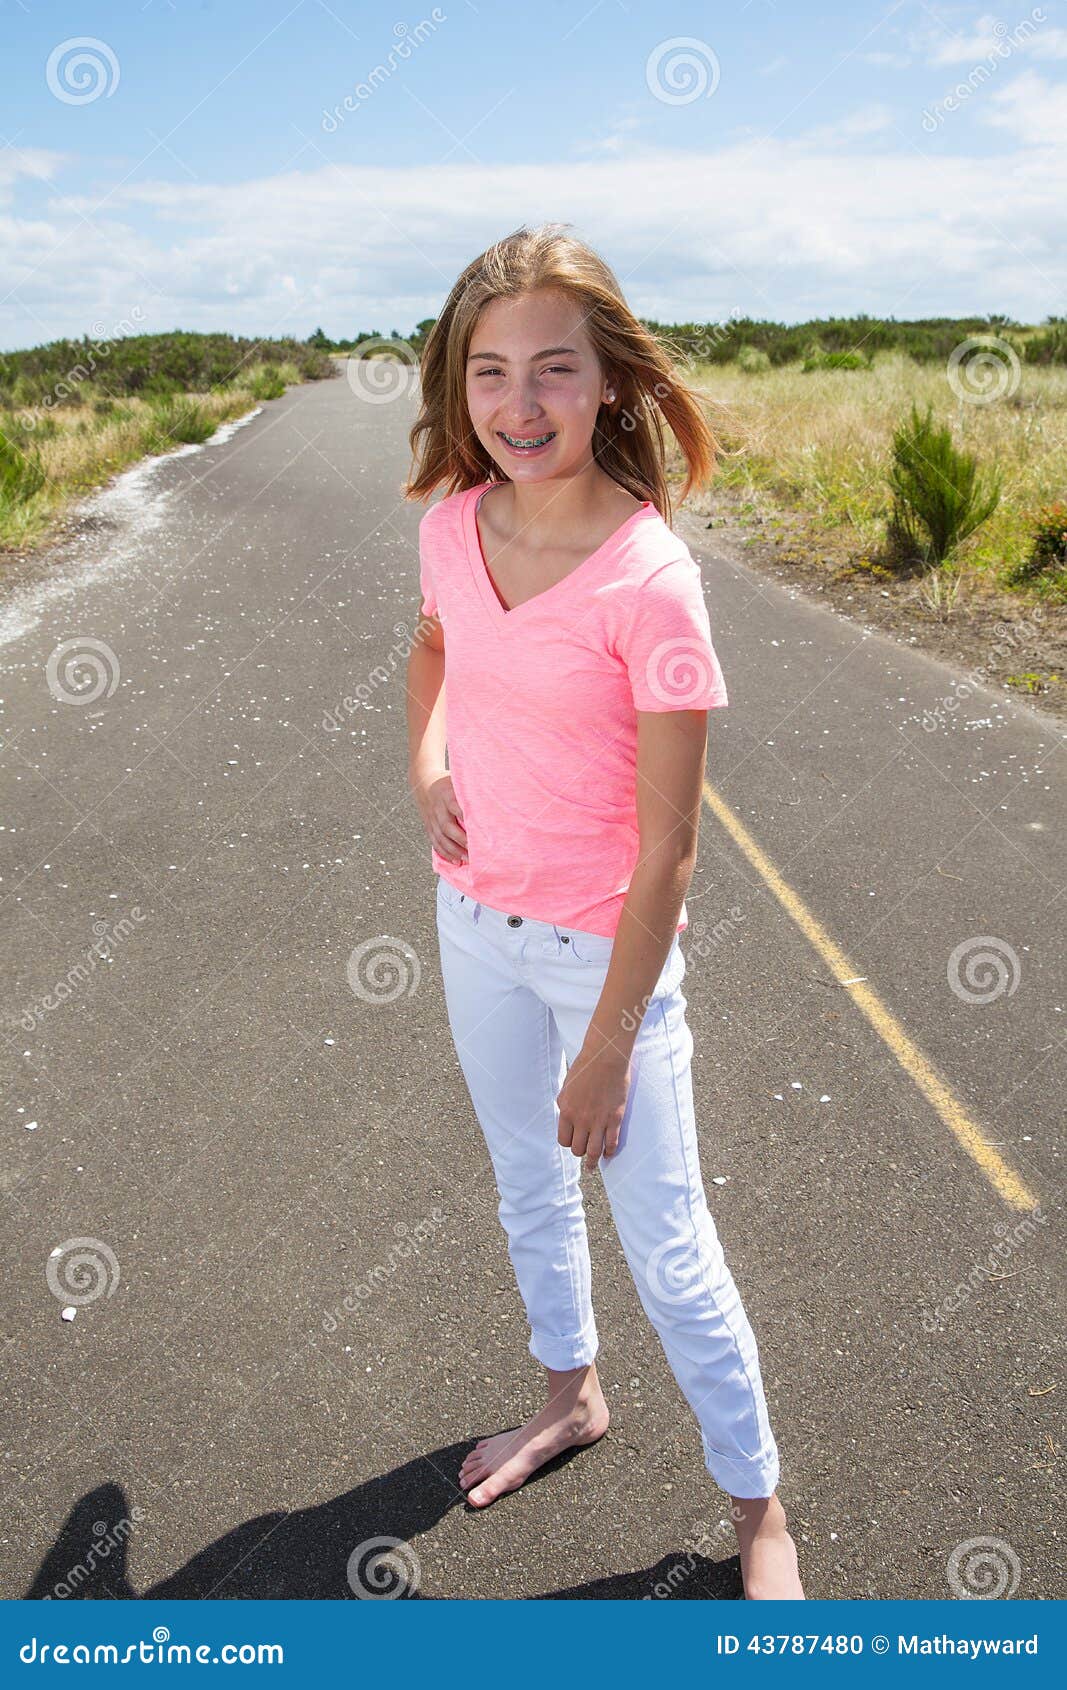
{"x": 533, "y": 375}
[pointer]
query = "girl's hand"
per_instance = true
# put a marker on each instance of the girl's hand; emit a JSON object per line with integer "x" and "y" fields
{"x": 592, "y": 1103}
{"x": 443, "y": 818}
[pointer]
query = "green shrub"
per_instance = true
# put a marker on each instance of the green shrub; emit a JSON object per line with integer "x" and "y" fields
{"x": 21, "y": 473}
{"x": 939, "y": 495}
{"x": 1048, "y": 551}
{"x": 835, "y": 361}
{"x": 177, "y": 422}
{"x": 752, "y": 360}
{"x": 267, "y": 383}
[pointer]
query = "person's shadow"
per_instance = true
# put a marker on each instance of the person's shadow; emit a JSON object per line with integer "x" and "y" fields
{"x": 361, "y": 1544}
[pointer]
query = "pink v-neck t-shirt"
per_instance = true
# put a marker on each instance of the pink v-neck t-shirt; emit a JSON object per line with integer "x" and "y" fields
{"x": 541, "y": 707}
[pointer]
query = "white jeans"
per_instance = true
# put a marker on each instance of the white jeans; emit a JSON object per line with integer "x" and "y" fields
{"x": 520, "y": 994}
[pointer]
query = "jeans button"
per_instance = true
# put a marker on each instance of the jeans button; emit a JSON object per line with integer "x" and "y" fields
{"x": 514, "y": 920}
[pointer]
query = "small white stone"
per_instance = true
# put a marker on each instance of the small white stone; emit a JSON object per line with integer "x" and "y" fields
{"x": 69, "y": 1313}
{"x": 796, "y": 1085}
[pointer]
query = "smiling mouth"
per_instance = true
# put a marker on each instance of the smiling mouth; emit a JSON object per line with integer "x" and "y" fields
{"x": 529, "y": 442}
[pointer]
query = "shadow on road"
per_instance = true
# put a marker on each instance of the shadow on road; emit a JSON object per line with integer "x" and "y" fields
{"x": 306, "y": 1553}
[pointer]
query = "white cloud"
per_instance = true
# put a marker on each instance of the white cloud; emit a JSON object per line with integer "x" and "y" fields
{"x": 1033, "y": 110}
{"x": 994, "y": 38}
{"x": 850, "y": 217}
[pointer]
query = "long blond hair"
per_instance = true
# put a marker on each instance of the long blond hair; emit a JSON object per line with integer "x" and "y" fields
{"x": 628, "y": 438}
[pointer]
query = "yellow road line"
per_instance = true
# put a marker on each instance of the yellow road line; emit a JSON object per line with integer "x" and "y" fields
{"x": 936, "y": 1090}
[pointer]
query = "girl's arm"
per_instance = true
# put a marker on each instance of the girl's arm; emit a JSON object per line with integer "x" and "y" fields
{"x": 428, "y": 777}
{"x": 671, "y": 751}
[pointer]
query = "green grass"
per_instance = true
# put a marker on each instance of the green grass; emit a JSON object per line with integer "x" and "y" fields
{"x": 816, "y": 447}
{"x": 51, "y": 455}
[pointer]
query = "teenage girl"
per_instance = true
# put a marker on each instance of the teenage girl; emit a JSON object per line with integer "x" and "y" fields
{"x": 566, "y": 623}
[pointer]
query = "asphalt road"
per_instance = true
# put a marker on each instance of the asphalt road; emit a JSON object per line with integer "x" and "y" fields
{"x": 250, "y": 1126}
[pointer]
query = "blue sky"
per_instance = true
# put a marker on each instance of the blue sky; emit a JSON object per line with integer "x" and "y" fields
{"x": 169, "y": 164}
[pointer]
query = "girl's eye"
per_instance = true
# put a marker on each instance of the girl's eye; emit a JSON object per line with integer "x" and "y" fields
{"x": 553, "y": 369}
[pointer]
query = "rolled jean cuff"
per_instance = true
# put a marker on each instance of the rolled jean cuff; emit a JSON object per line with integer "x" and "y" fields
{"x": 755, "y": 1477}
{"x": 563, "y": 1354}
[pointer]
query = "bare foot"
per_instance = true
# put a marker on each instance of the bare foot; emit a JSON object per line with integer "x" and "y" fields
{"x": 504, "y": 1462}
{"x": 768, "y": 1554}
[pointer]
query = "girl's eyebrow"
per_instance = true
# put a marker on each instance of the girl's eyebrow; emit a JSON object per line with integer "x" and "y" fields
{"x": 549, "y": 352}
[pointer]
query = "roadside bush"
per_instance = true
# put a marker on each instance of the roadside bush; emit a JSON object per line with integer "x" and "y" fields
{"x": 177, "y": 422}
{"x": 266, "y": 383}
{"x": 1048, "y": 551}
{"x": 940, "y": 497}
{"x": 21, "y": 473}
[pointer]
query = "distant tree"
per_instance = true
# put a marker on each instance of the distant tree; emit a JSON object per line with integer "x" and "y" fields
{"x": 319, "y": 339}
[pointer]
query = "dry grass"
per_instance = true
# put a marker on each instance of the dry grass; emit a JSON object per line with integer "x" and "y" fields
{"x": 818, "y": 445}
{"x": 80, "y": 449}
